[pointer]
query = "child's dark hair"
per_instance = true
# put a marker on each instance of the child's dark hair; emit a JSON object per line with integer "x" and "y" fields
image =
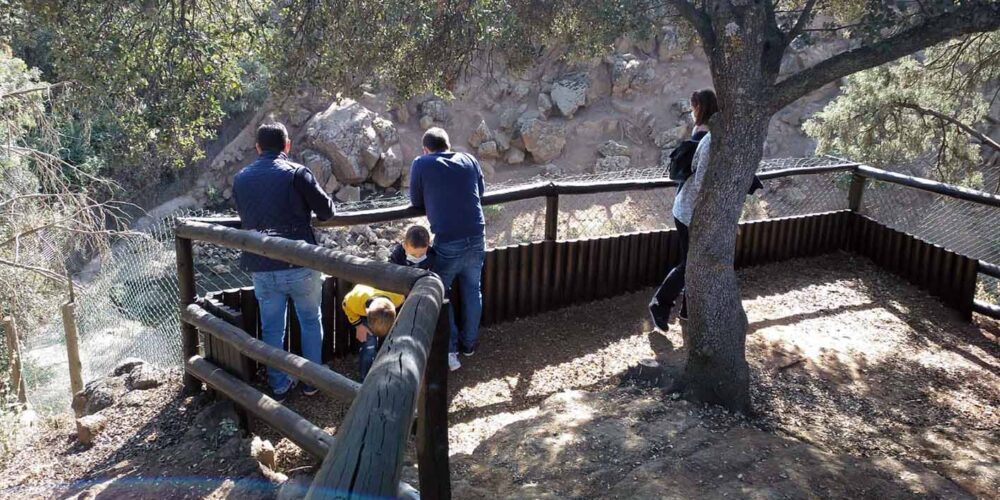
{"x": 418, "y": 237}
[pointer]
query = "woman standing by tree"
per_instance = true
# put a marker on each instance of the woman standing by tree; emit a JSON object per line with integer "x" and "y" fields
{"x": 703, "y": 106}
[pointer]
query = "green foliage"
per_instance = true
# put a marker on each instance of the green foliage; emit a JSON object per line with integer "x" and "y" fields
{"x": 882, "y": 115}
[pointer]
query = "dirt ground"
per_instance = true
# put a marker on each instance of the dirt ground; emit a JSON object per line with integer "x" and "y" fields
{"x": 863, "y": 387}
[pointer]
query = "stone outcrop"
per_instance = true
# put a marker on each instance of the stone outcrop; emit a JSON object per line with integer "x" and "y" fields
{"x": 612, "y": 164}
{"x": 569, "y": 93}
{"x": 543, "y": 139}
{"x": 630, "y": 74}
{"x": 614, "y": 148}
{"x": 346, "y": 135}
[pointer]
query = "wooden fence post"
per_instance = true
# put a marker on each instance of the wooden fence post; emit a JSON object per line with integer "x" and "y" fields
{"x": 857, "y": 192}
{"x": 551, "y": 217}
{"x": 432, "y": 416}
{"x": 187, "y": 294}
{"x": 14, "y": 350}
{"x": 73, "y": 348}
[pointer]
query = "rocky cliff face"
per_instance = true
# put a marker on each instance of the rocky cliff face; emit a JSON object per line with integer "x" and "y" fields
{"x": 623, "y": 111}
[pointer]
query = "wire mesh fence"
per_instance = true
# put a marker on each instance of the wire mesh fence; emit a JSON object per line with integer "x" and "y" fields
{"x": 126, "y": 306}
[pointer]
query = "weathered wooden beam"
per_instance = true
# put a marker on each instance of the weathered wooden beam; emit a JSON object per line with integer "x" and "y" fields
{"x": 367, "y": 458}
{"x": 980, "y": 197}
{"x": 856, "y": 193}
{"x": 790, "y": 172}
{"x": 986, "y": 309}
{"x": 551, "y": 217}
{"x": 187, "y": 295}
{"x": 382, "y": 275}
{"x": 432, "y": 419}
{"x": 319, "y": 376}
{"x": 989, "y": 269}
{"x": 300, "y": 431}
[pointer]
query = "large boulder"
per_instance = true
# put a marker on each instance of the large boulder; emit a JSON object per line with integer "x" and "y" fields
{"x": 390, "y": 168}
{"x": 543, "y": 139}
{"x": 145, "y": 376}
{"x": 345, "y": 133}
{"x": 569, "y": 93}
{"x": 436, "y": 109}
{"x": 89, "y": 427}
{"x": 614, "y": 148}
{"x": 386, "y": 131}
{"x": 630, "y": 74}
{"x": 318, "y": 164}
{"x": 480, "y": 135}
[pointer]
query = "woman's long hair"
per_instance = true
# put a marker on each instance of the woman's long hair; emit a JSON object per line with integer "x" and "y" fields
{"x": 704, "y": 104}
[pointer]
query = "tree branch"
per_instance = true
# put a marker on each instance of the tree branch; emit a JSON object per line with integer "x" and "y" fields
{"x": 32, "y": 90}
{"x": 46, "y": 273}
{"x": 804, "y": 17}
{"x": 985, "y": 139}
{"x": 698, "y": 18}
{"x": 970, "y": 17}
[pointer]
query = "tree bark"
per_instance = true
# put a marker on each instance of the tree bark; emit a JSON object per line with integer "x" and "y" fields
{"x": 744, "y": 68}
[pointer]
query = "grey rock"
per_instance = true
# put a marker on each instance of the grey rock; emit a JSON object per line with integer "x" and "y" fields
{"x": 544, "y": 140}
{"x": 514, "y": 156}
{"x": 126, "y": 366}
{"x": 89, "y": 427}
{"x": 544, "y": 104}
{"x": 613, "y": 148}
{"x": 144, "y": 377}
{"x": 426, "y": 122}
{"x": 436, "y": 109}
{"x": 480, "y": 135}
{"x": 612, "y": 164}
{"x": 349, "y": 193}
{"x": 520, "y": 90}
{"x": 344, "y": 132}
{"x": 503, "y": 140}
{"x": 402, "y": 114}
{"x": 630, "y": 74}
{"x": 489, "y": 149}
{"x": 386, "y": 131}
{"x": 319, "y": 165}
{"x": 569, "y": 93}
{"x": 98, "y": 395}
{"x": 390, "y": 168}
{"x": 508, "y": 117}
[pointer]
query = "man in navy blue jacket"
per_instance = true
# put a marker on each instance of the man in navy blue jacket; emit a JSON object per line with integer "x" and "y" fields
{"x": 449, "y": 186}
{"x": 277, "y": 197}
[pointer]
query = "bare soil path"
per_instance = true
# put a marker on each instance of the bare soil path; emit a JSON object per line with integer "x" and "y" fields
{"x": 864, "y": 387}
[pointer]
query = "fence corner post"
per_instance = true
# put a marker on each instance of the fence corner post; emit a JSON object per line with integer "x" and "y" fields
{"x": 857, "y": 192}
{"x": 187, "y": 295}
{"x": 14, "y": 348}
{"x": 432, "y": 416}
{"x": 551, "y": 217}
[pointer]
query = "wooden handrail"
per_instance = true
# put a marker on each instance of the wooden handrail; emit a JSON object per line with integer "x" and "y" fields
{"x": 989, "y": 269}
{"x": 310, "y": 438}
{"x": 321, "y": 377}
{"x": 382, "y": 275}
{"x": 366, "y": 461}
{"x": 949, "y": 190}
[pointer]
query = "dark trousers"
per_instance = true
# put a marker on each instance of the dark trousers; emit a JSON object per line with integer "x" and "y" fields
{"x": 673, "y": 284}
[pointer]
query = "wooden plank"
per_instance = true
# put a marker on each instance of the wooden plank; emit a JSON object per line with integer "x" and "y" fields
{"x": 551, "y": 217}
{"x": 503, "y": 284}
{"x": 524, "y": 281}
{"x": 574, "y": 264}
{"x": 624, "y": 255}
{"x": 603, "y": 266}
{"x": 645, "y": 269}
{"x": 548, "y": 265}
{"x": 654, "y": 258}
{"x": 591, "y": 267}
{"x": 300, "y": 431}
{"x": 328, "y": 309}
{"x": 536, "y": 283}
{"x": 366, "y": 459}
{"x": 489, "y": 287}
{"x": 513, "y": 280}
{"x": 559, "y": 266}
{"x": 343, "y": 328}
{"x": 934, "y": 271}
{"x": 314, "y": 374}
{"x": 633, "y": 262}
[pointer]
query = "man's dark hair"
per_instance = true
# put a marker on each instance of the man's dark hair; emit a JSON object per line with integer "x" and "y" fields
{"x": 436, "y": 140}
{"x": 418, "y": 237}
{"x": 272, "y": 137}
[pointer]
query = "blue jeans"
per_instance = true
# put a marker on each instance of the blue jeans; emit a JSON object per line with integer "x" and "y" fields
{"x": 305, "y": 288}
{"x": 366, "y": 356}
{"x": 463, "y": 260}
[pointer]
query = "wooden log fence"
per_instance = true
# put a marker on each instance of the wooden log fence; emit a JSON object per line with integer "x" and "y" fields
{"x": 410, "y": 372}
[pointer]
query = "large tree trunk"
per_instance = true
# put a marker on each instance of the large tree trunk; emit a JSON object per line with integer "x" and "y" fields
{"x": 715, "y": 335}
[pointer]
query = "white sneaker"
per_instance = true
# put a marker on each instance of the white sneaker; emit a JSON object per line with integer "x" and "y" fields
{"x": 453, "y": 363}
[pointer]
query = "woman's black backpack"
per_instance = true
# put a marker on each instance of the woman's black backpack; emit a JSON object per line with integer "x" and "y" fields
{"x": 682, "y": 156}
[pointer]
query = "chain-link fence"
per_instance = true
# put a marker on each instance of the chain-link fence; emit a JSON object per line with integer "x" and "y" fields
{"x": 126, "y": 307}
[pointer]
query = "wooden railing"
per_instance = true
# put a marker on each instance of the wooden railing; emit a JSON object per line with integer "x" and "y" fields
{"x": 411, "y": 370}
{"x": 366, "y": 457}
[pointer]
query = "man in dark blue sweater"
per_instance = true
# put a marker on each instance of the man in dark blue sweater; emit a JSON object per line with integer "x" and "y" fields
{"x": 277, "y": 197}
{"x": 449, "y": 186}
